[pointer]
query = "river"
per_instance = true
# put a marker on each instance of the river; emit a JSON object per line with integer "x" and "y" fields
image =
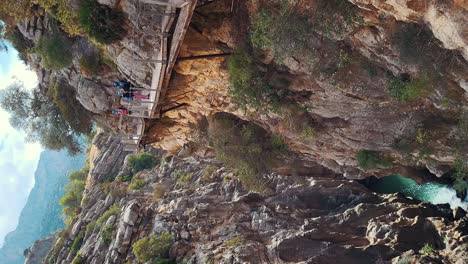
{"x": 434, "y": 193}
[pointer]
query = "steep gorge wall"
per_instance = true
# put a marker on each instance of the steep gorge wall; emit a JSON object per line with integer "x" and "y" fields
{"x": 350, "y": 110}
{"x": 213, "y": 219}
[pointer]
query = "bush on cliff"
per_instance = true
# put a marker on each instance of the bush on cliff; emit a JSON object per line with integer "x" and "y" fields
{"x": 72, "y": 199}
{"x": 90, "y": 64}
{"x": 102, "y": 23}
{"x": 141, "y": 161}
{"x": 54, "y": 51}
{"x": 407, "y": 89}
{"x": 244, "y": 147}
{"x": 152, "y": 247}
{"x": 283, "y": 30}
{"x": 250, "y": 87}
{"x": 113, "y": 210}
{"x": 368, "y": 159}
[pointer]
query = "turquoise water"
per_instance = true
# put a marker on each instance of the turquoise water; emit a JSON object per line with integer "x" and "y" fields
{"x": 434, "y": 193}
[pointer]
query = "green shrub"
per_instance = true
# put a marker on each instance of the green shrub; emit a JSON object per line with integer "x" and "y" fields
{"x": 79, "y": 260}
{"x": 334, "y": 17}
{"x": 104, "y": 24}
{"x": 90, "y": 227}
{"x": 77, "y": 242}
{"x": 152, "y": 247}
{"x": 107, "y": 233}
{"x": 159, "y": 192}
{"x": 244, "y": 147}
{"x": 460, "y": 174}
{"x": 368, "y": 159}
{"x": 141, "y": 161}
{"x": 278, "y": 144}
{"x": 235, "y": 242}
{"x": 207, "y": 174}
{"x": 163, "y": 261}
{"x": 64, "y": 13}
{"x": 113, "y": 210}
{"x": 404, "y": 260}
{"x": 137, "y": 184}
{"x": 427, "y": 250}
{"x": 285, "y": 31}
{"x": 54, "y": 51}
{"x": 249, "y": 86}
{"x": 409, "y": 90}
{"x": 72, "y": 198}
{"x": 90, "y": 64}
{"x": 183, "y": 179}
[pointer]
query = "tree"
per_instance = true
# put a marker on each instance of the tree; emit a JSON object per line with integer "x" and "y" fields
{"x": 72, "y": 111}
{"x": 39, "y": 117}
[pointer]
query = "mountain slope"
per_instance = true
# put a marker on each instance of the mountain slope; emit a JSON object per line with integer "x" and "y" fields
{"x": 41, "y": 215}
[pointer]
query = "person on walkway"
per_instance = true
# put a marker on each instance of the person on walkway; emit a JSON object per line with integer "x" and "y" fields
{"x": 129, "y": 96}
{"x": 124, "y": 90}
{"x": 121, "y": 111}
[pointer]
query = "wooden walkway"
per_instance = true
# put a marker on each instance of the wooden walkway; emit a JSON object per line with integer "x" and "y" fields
{"x": 174, "y": 26}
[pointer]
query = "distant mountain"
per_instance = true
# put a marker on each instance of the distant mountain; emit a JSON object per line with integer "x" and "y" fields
{"x": 41, "y": 215}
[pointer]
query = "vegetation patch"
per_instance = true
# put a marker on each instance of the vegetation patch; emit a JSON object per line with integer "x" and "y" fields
{"x": 72, "y": 199}
{"x": 250, "y": 87}
{"x": 336, "y": 17}
{"x": 208, "y": 173}
{"x": 77, "y": 242}
{"x": 427, "y": 250}
{"x": 460, "y": 174}
{"x": 90, "y": 64}
{"x": 107, "y": 233}
{"x": 159, "y": 192}
{"x": 21, "y": 44}
{"x": 368, "y": 159}
{"x": 79, "y": 260}
{"x": 152, "y": 247}
{"x": 102, "y": 23}
{"x": 137, "y": 184}
{"x": 54, "y": 51}
{"x": 183, "y": 178}
{"x": 235, "y": 242}
{"x": 284, "y": 30}
{"x": 141, "y": 161}
{"x": 113, "y": 210}
{"x": 244, "y": 147}
{"x": 407, "y": 89}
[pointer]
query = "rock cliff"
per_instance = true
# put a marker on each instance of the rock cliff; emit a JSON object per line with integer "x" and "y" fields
{"x": 345, "y": 69}
{"x": 213, "y": 219}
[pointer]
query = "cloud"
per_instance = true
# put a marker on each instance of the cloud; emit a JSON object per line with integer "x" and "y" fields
{"x": 18, "y": 159}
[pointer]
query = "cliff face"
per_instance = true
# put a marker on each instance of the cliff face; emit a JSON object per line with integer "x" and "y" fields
{"x": 213, "y": 219}
{"x": 343, "y": 100}
{"x": 344, "y": 88}
{"x": 350, "y": 109}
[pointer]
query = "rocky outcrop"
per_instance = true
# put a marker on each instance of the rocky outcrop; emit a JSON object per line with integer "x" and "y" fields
{"x": 349, "y": 110}
{"x": 447, "y": 20}
{"x": 39, "y": 250}
{"x": 212, "y": 218}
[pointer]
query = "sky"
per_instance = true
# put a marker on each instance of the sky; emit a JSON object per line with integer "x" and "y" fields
{"x": 18, "y": 159}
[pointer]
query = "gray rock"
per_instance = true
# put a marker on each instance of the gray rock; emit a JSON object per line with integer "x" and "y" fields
{"x": 92, "y": 96}
{"x": 130, "y": 214}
